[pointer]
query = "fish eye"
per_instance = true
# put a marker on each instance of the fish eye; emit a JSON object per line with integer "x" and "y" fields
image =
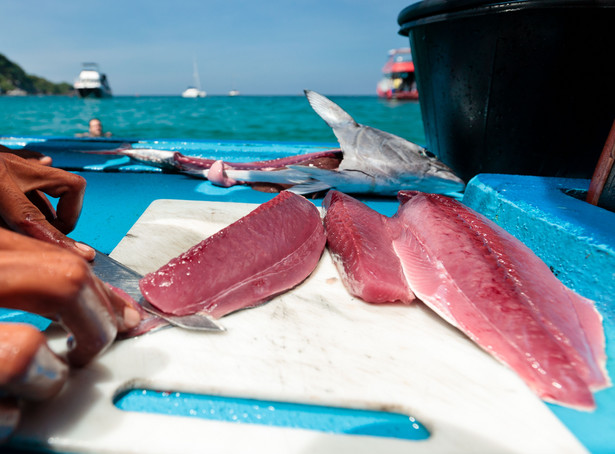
{"x": 429, "y": 154}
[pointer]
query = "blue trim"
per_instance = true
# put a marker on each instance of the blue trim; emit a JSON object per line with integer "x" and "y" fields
{"x": 274, "y": 413}
{"x": 577, "y": 240}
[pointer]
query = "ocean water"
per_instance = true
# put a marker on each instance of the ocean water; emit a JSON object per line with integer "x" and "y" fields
{"x": 257, "y": 118}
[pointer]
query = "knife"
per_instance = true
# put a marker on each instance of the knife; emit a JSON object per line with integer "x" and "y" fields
{"x": 120, "y": 276}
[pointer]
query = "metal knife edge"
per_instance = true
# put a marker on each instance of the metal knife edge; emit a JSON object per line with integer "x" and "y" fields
{"x": 119, "y": 275}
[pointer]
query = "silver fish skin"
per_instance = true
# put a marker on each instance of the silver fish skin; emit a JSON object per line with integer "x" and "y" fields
{"x": 163, "y": 159}
{"x": 375, "y": 161}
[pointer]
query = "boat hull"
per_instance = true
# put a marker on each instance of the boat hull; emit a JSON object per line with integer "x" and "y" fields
{"x": 93, "y": 93}
{"x": 412, "y": 95}
{"x": 193, "y": 93}
{"x": 398, "y": 81}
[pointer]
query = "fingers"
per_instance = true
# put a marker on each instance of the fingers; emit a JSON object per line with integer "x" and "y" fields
{"x": 93, "y": 327}
{"x": 38, "y": 199}
{"x": 127, "y": 310}
{"x": 105, "y": 312}
{"x": 25, "y": 209}
{"x": 59, "y": 285}
{"x": 12, "y": 241}
{"x": 29, "y": 155}
{"x": 20, "y": 215}
{"x": 28, "y": 368}
{"x": 66, "y": 186}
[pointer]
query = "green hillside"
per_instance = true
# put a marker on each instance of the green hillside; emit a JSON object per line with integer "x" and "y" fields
{"x": 12, "y": 76}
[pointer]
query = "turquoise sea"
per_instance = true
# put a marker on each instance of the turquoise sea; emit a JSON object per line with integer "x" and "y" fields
{"x": 241, "y": 128}
{"x": 258, "y": 118}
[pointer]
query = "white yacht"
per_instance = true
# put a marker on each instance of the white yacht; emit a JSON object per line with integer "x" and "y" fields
{"x": 91, "y": 83}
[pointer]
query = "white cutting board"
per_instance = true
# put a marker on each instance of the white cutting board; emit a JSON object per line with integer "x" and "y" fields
{"x": 315, "y": 344}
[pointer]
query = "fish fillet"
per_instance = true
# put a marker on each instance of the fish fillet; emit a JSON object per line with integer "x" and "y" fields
{"x": 359, "y": 241}
{"x": 487, "y": 283}
{"x": 267, "y": 252}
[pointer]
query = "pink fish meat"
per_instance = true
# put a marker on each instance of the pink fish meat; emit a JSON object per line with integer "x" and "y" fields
{"x": 487, "y": 283}
{"x": 359, "y": 241}
{"x": 265, "y": 253}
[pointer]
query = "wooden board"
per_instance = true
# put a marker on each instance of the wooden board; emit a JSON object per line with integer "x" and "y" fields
{"x": 315, "y": 344}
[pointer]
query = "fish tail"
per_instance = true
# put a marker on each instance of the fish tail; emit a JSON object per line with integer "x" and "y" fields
{"x": 333, "y": 114}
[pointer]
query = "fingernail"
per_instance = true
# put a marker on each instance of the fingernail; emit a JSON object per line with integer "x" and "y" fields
{"x": 84, "y": 248}
{"x": 131, "y": 317}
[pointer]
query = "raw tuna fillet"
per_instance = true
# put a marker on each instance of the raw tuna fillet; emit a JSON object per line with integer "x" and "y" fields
{"x": 493, "y": 288}
{"x": 265, "y": 253}
{"x": 360, "y": 243}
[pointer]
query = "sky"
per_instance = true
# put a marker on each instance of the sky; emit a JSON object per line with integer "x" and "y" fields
{"x": 264, "y": 47}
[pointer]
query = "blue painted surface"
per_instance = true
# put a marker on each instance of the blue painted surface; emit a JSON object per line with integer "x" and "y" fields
{"x": 577, "y": 240}
{"x": 274, "y": 413}
{"x": 98, "y": 154}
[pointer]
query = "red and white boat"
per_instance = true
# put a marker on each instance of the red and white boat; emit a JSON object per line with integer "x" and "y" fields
{"x": 398, "y": 80}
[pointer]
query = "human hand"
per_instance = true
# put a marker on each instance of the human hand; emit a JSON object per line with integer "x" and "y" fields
{"x": 25, "y": 208}
{"x": 28, "y": 370}
{"x": 28, "y": 154}
{"x": 43, "y": 279}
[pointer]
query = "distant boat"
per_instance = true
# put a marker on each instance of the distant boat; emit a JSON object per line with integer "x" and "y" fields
{"x": 91, "y": 83}
{"x": 398, "y": 80}
{"x": 233, "y": 93}
{"x": 194, "y": 91}
{"x": 17, "y": 92}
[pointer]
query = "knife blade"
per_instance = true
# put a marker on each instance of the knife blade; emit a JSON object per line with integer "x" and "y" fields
{"x": 118, "y": 275}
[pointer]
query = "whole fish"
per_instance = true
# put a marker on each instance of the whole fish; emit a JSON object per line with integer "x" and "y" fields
{"x": 370, "y": 161}
{"x": 272, "y": 175}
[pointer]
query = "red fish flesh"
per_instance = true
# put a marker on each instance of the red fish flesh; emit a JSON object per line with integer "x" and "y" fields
{"x": 265, "y": 253}
{"x": 487, "y": 283}
{"x": 360, "y": 244}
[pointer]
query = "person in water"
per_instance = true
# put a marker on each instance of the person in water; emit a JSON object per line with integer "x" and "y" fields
{"x": 42, "y": 271}
{"x": 95, "y": 130}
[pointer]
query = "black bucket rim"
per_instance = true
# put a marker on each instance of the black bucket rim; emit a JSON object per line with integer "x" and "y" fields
{"x": 427, "y": 11}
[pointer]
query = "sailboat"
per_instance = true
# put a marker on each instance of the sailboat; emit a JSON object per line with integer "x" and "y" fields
{"x": 194, "y": 91}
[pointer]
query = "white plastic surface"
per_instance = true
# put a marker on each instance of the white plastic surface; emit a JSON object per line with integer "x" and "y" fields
{"x": 315, "y": 344}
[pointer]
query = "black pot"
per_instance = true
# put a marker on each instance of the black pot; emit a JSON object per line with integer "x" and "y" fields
{"x": 517, "y": 87}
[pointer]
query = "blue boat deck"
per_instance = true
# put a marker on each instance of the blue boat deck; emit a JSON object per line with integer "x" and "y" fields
{"x": 575, "y": 239}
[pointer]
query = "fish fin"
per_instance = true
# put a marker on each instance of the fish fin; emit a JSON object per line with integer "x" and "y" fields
{"x": 312, "y": 171}
{"x": 333, "y": 114}
{"x": 312, "y": 179}
{"x": 309, "y": 188}
{"x": 326, "y": 176}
